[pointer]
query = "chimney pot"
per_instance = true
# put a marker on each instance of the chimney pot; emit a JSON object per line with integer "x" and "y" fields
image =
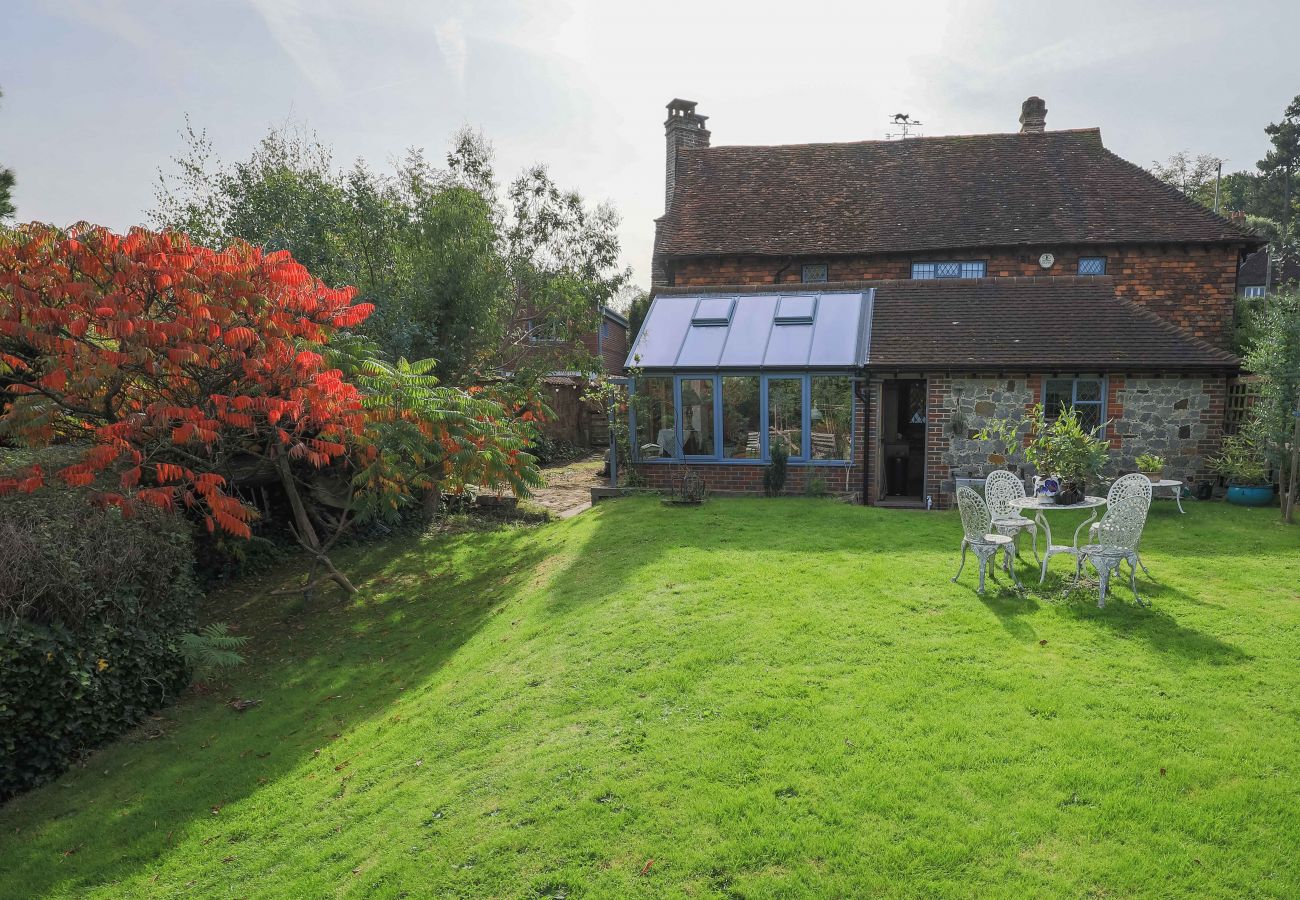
{"x": 1033, "y": 116}
{"x": 683, "y": 128}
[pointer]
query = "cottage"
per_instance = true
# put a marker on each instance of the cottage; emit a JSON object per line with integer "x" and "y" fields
{"x": 873, "y": 304}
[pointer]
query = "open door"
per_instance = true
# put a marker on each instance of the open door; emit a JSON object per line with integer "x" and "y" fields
{"x": 901, "y": 442}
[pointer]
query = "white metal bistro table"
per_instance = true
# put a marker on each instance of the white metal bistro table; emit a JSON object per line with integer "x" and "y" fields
{"x": 1041, "y": 506}
{"x": 1170, "y": 483}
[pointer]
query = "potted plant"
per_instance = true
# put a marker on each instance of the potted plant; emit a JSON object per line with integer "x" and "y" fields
{"x": 1242, "y": 464}
{"x": 1063, "y": 447}
{"x": 1152, "y": 466}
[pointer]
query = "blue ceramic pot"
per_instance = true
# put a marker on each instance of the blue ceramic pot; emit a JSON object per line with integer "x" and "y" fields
{"x": 1250, "y": 494}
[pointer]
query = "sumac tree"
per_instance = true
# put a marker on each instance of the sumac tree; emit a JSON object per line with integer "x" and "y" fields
{"x": 178, "y": 366}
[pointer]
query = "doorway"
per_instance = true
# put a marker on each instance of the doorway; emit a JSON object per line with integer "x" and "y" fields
{"x": 903, "y": 421}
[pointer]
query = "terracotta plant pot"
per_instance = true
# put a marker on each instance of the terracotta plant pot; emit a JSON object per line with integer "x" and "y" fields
{"x": 1154, "y": 476}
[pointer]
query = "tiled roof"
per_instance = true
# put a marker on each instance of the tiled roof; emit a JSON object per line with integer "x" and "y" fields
{"x": 1054, "y": 323}
{"x": 1254, "y": 271}
{"x": 922, "y": 194}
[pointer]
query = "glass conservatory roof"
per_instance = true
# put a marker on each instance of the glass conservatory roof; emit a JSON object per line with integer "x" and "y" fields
{"x": 777, "y": 330}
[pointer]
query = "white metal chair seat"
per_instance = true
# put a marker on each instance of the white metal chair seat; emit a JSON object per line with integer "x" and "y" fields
{"x": 1126, "y": 484}
{"x": 1000, "y": 489}
{"x": 978, "y": 534}
{"x": 1118, "y": 534}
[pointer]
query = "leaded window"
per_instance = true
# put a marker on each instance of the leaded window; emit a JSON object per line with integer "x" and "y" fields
{"x": 811, "y": 274}
{"x": 950, "y": 269}
{"x": 1092, "y": 265}
{"x": 1086, "y": 395}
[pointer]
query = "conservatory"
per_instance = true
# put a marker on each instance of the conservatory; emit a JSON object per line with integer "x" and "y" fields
{"x": 719, "y": 379}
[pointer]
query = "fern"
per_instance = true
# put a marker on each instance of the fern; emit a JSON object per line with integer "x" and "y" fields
{"x": 212, "y": 648}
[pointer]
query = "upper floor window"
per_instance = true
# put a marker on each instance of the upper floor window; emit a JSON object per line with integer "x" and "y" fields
{"x": 1253, "y": 290}
{"x": 949, "y": 269}
{"x": 1086, "y": 395}
{"x": 815, "y": 273}
{"x": 547, "y": 331}
{"x": 1092, "y": 265}
{"x": 604, "y": 330}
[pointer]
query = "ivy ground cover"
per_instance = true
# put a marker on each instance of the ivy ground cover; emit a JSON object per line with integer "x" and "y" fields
{"x": 752, "y": 698}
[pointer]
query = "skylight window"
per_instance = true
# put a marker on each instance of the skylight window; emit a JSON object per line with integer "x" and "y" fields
{"x": 713, "y": 312}
{"x": 795, "y": 311}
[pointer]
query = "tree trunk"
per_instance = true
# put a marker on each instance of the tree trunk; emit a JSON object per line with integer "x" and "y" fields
{"x": 1293, "y": 481}
{"x": 306, "y": 533}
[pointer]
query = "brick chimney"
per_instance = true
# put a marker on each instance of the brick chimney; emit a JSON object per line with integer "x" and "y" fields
{"x": 683, "y": 128}
{"x": 1033, "y": 116}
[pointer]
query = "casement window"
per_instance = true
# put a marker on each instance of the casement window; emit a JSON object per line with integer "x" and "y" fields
{"x": 950, "y": 269}
{"x": 1253, "y": 290}
{"x": 1092, "y": 265}
{"x": 815, "y": 273}
{"x": 1086, "y": 395}
{"x": 683, "y": 416}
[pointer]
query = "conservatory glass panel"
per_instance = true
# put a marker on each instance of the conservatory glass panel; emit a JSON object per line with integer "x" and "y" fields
{"x": 785, "y": 413}
{"x": 831, "y": 417}
{"x": 697, "y": 417}
{"x": 741, "y": 431}
{"x": 656, "y": 427}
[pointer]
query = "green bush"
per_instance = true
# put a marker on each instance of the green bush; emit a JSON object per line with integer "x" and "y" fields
{"x": 775, "y": 471}
{"x": 92, "y": 609}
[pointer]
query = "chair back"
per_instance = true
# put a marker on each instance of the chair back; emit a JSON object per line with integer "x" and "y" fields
{"x": 1127, "y": 504}
{"x": 1000, "y": 488}
{"x": 976, "y": 520}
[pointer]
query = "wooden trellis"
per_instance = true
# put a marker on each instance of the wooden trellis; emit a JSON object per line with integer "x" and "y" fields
{"x": 1241, "y": 394}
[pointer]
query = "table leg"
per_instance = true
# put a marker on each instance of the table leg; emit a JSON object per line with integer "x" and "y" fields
{"x": 1047, "y": 553}
{"x": 1178, "y": 498}
{"x": 1092, "y": 517}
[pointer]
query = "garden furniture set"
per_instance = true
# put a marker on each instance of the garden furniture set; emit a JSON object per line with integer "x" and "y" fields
{"x": 993, "y": 522}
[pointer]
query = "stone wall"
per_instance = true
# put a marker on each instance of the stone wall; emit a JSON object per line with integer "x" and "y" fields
{"x": 1192, "y": 287}
{"x": 1178, "y": 417}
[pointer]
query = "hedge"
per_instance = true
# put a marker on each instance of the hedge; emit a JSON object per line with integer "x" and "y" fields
{"x": 92, "y": 606}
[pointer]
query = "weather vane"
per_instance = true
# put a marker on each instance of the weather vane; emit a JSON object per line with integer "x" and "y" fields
{"x": 905, "y": 123}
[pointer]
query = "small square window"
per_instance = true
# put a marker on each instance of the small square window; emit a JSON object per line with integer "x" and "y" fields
{"x": 922, "y": 270}
{"x": 1253, "y": 290}
{"x": 947, "y": 270}
{"x": 1092, "y": 265}
{"x": 713, "y": 311}
{"x": 972, "y": 270}
{"x": 815, "y": 273}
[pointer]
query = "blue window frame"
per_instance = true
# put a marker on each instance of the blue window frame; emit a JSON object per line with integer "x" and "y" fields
{"x": 1086, "y": 395}
{"x": 703, "y": 433}
{"x": 1092, "y": 265}
{"x": 966, "y": 268}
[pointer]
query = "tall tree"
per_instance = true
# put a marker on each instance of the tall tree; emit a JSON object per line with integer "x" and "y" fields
{"x": 1193, "y": 175}
{"x": 6, "y": 190}
{"x": 1281, "y": 163}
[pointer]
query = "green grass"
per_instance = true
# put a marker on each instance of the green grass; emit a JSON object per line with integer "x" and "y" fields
{"x": 764, "y": 698}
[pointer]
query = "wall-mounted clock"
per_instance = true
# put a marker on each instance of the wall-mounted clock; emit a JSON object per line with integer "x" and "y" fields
{"x": 1046, "y": 260}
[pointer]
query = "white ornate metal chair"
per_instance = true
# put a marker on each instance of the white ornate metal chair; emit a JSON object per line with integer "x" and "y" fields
{"x": 1000, "y": 488}
{"x": 978, "y": 535}
{"x": 1126, "y": 485}
{"x": 1117, "y": 537}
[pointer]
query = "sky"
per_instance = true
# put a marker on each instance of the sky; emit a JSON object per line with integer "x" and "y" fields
{"x": 96, "y": 93}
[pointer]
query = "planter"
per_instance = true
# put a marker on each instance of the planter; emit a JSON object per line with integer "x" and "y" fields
{"x": 1250, "y": 494}
{"x": 1069, "y": 493}
{"x": 1153, "y": 477}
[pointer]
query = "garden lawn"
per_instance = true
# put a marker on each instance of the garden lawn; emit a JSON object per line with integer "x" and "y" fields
{"x": 752, "y": 698}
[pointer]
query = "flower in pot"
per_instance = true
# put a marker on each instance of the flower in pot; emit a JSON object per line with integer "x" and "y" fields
{"x": 1152, "y": 466}
{"x": 1241, "y": 462}
{"x": 1065, "y": 448}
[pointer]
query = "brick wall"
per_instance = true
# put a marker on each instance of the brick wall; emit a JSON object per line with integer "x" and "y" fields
{"x": 1191, "y": 286}
{"x": 610, "y": 350}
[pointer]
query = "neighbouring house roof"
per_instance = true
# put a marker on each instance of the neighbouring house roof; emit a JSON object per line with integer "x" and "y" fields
{"x": 1254, "y": 270}
{"x": 920, "y": 194}
{"x": 614, "y": 316}
{"x": 1048, "y": 323}
{"x": 770, "y": 329}
{"x": 1059, "y": 323}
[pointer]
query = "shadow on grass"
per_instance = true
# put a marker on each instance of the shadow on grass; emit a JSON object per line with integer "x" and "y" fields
{"x": 318, "y": 669}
